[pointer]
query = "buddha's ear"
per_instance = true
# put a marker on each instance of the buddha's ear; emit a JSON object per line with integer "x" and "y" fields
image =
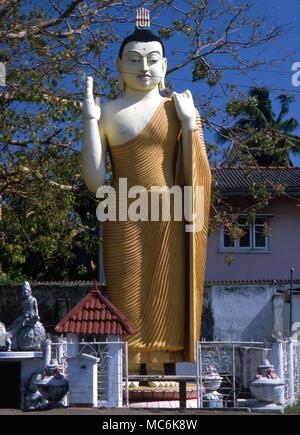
{"x": 121, "y": 81}
{"x": 165, "y": 65}
{"x": 118, "y": 64}
{"x": 161, "y": 85}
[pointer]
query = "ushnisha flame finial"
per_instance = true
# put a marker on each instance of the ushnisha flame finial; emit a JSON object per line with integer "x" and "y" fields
{"x": 142, "y": 19}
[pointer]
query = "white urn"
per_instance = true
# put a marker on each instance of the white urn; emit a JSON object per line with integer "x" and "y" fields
{"x": 267, "y": 386}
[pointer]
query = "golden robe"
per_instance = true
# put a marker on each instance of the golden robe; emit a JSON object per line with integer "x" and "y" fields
{"x": 154, "y": 269}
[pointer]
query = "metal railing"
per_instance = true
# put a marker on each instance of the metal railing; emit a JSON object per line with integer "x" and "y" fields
{"x": 235, "y": 363}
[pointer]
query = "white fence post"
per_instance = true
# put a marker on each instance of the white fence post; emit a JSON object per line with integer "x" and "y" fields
{"x": 125, "y": 361}
{"x": 290, "y": 355}
{"x": 277, "y": 358}
{"x": 115, "y": 372}
{"x": 298, "y": 363}
{"x": 73, "y": 345}
{"x": 277, "y": 361}
{"x": 60, "y": 351}
{"x": 47, "y": 352}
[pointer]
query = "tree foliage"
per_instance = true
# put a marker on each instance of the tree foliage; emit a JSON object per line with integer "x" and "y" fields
{"x": 48, "y": 228}
{"x": 259, "y": 135}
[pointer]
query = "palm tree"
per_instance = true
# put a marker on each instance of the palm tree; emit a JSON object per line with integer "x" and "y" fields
{"x": 258, "y": 135}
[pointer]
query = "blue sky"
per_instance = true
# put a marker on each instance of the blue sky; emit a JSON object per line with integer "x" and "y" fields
{"x": 284, "y": 12}
{"x": 277, "y": 77}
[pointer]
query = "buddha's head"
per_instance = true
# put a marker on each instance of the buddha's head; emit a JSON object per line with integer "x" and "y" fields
{"x": 142, "y": 64}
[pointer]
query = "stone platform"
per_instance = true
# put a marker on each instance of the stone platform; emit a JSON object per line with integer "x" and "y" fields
{"x": 150, "y": 394}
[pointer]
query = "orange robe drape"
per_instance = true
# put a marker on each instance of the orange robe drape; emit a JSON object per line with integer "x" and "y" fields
{"x": 155, "y": 270}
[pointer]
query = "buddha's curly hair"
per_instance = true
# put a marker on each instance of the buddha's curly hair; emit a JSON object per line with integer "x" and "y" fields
{"x": 141, "y": 35}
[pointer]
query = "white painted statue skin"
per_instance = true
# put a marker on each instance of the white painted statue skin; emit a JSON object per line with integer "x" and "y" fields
{"x": 142, "y": 70}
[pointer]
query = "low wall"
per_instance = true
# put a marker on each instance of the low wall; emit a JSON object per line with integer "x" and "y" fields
{"x": 247, "y": 312}
{"x": 54, "y": 300}
{"x": 230, "y": 312}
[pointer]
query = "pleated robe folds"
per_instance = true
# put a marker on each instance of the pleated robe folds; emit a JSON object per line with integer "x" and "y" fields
{"x": 154, "y": 269}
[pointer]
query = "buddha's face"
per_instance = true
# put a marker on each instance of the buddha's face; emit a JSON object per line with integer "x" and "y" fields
{"x": 26, "y": 290}
{"x": 142, "y": 65}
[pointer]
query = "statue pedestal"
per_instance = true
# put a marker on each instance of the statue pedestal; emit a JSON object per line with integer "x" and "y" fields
{"x": 266, "y": 408}
{"x": 20, "y": 355}
{"x": 268, "y": 390}
{"x": 213, "y": 400}
{"x": 154, "y": 394}
{"x": 16, "y": 370}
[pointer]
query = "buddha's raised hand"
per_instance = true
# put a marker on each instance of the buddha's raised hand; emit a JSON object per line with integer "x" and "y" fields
{"x": 91, "y": 107}
{"x": 185, "y": 107}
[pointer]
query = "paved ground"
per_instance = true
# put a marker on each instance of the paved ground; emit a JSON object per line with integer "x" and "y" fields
{"x": 128, "y": 411}
{"x": 166, "y": 404}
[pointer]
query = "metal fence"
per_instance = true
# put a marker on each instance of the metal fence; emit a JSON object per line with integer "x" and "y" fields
{"x": 225, "y": 370}
{"x": 237, "y": 363}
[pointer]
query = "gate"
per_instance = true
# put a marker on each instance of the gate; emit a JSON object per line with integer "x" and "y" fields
{"x": 112, "y": 367}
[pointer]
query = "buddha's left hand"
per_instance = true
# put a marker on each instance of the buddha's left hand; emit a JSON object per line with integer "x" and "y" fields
{"x": 185, "y": 108}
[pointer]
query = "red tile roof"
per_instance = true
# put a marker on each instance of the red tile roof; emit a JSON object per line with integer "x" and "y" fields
{"x": 95, "y": 315}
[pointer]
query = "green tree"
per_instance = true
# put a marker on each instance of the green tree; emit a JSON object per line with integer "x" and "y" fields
{"x": 259, "y": 135}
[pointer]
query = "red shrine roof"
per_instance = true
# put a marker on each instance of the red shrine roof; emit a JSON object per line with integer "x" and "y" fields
{"x": 95, "y": 315}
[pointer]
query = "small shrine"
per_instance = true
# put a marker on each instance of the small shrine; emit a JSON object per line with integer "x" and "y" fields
{"x": 94, "y": 329}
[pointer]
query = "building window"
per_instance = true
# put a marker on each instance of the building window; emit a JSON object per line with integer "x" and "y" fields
{"x": 254, "y": 236}
{"x": 259, "y": 233}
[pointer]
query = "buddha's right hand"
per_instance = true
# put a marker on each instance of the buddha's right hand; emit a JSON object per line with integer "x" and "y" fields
{"x": 91, "y": 107}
